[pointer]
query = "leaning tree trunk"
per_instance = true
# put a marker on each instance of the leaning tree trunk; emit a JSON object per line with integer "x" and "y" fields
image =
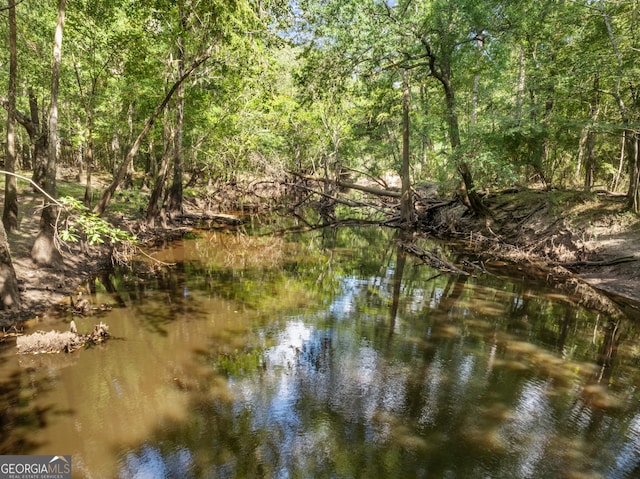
{"x": 122, "y": 171}
{"x": 468, "y": 191}
{"x": 440, "y": 69}
{"x": 44, "y": 251}
{"x": 10, "y": 211}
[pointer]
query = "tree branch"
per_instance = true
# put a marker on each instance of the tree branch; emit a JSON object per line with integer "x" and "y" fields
{"x": 24, "y": 120}
{"x": 35, "y": 185}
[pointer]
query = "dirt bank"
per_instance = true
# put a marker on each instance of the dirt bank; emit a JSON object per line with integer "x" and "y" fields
{"x": 42, "y": 289}
{"x": 590, "y": 238}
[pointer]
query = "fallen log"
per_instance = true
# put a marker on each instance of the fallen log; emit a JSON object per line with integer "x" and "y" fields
{"x": 351, "y": 203}
{"x": 353, "y": 186}
{"x": 219, "y": 217}
{"x": 42, "y": 342}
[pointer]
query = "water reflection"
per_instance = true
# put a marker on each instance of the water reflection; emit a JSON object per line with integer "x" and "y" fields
{"x": 277, "y": 357}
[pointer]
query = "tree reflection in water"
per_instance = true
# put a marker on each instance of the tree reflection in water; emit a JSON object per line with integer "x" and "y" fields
{"x": 290, "y": 359}
{"x": 421, "y": 375}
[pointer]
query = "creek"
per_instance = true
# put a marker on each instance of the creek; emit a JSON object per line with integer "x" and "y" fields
{"x": 329, "y": 354}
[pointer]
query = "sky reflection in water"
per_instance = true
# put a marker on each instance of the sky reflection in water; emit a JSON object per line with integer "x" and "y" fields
{"x": 315, "y": 361}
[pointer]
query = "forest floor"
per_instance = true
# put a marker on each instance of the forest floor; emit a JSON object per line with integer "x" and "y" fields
{"x": 589, "y": 238}
{"x": 45, "y": 289}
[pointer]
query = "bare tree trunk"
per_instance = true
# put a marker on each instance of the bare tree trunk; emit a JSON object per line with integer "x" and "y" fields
{"x": 44, "y": 251}
{"x": 10, "y": 211}
{"x": 406, "y": 200}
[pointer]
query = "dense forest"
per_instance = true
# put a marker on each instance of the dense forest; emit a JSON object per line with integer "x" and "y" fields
{"x": 173, "y": 95}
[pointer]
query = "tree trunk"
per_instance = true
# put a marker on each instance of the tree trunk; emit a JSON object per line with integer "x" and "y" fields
{"x": 406, "y": 200}
{"x": 120, "y": 174}
{"x": 616, "y": 178}
{"x": 633, "y": 160}
{"x": 44, "y": 251}
{"x": 88, "y": 191}
{"x": 153, "y": 209}
{"x": 475, "y": 94}
{"x": 176, "y": 193}
{"x": 520, "y": 86}
{"x": 10, "y": 211}
{"x": 469, "y": 194}
{"x": 588, "y": 139}
{"x": 9, "y": 295}
{"x": 87, "y": 103}
{"x": 37, "y": 137}
{"x": 589, "y": 160}
{"x": 39, "y": 141}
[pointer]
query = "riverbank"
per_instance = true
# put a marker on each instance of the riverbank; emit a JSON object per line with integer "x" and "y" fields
{"x": 587, "y": 238}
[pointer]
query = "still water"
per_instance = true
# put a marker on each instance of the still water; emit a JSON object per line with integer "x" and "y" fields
{"x": 329, "y": 355}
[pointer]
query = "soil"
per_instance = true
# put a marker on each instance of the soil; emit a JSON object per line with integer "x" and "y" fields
{"x": 589, "y": 240}
{"x": 43, "y": 290}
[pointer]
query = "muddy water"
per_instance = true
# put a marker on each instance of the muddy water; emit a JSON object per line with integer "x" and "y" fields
{"x": 329, "y": 355}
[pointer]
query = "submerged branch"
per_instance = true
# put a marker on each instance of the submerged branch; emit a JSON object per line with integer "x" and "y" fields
{"x": 432, "y": 259}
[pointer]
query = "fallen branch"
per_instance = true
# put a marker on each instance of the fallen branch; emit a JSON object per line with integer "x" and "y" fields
{"x": 609, "y": 262}
{"x": 366, "y": 189}
{"x": 432, "y": 259}
{"x": 219, "y": 217}
{"x": 35, "y": 185}
{"x": 42, "y": 342}
{"x": 353, "y": 204}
